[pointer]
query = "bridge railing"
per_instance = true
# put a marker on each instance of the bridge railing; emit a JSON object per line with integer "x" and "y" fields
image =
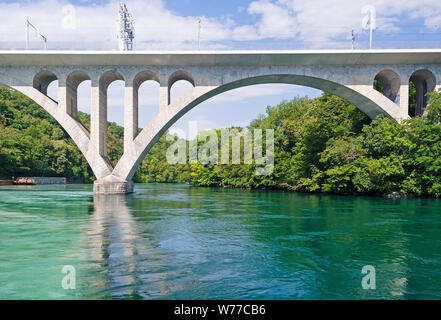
{"x": 429, "y": 41}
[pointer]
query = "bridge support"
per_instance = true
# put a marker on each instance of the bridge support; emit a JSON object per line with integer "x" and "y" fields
{"x": 112, "y": 185}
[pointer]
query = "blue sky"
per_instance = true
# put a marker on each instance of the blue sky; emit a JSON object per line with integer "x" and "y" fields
{"x": 228, "y": 24}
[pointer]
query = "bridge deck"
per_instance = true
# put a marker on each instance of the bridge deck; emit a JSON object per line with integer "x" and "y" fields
{"x": 219, "y": 58}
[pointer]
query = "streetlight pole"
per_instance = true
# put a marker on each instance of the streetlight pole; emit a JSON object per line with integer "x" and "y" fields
{"x": 199, "y": 33}
{"x": 43, "y": 38}
{"x": 27, "y": 33}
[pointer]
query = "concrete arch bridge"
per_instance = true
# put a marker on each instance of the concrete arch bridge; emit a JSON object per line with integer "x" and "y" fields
{"x": 349, "y": 74}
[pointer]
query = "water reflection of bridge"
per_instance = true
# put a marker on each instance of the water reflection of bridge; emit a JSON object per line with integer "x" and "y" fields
{"x": 120, "y": 253}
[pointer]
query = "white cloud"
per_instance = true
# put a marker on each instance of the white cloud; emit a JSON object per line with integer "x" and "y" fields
{"x": 313, "y": 23}
{"x": 276, "y": 20}
{"x": 98, "y": 24}
{"x": 244, "y": 33}
{"x": 317, "y": 22}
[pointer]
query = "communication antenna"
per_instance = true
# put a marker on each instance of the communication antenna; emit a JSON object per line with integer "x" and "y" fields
{"x": 43, "y": 38}
{"x": 199, "y": 33}
{"x": 353, "y": 36}
{"x": 126, "y": 28}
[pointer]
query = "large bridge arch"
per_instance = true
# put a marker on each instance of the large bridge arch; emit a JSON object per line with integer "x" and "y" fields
{"x": 369, "y": 101}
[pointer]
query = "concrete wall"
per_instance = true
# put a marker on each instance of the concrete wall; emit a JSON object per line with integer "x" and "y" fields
{"x": 49, "y": 180}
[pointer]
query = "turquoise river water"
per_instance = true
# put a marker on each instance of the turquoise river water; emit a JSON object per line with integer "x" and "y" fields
{"x": 171, "y": 241}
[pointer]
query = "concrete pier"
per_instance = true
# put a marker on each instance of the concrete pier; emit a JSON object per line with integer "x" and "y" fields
{"x": 112, "y": 185}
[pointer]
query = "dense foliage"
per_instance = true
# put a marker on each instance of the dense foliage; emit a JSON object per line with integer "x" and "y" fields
{"x": 321, "y": 145}
{"x": 327, "y": 145}
{"x": 33, "y": 144}
{"x": 155, "y": 167}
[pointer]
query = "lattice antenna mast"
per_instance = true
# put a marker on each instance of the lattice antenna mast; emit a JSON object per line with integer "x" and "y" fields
{"x": 43, "y": 38}
{"x": 126, "y": 28}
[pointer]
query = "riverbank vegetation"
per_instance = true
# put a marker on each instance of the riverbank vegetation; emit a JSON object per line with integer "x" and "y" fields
{"x": 328, "y": 145}
{"x": 321, "y": 145}
{"x": 33, "y": 144}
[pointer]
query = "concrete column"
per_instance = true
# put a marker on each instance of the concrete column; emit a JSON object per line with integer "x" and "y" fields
{"x": 419, "y": 87}
{"x": 71, "y": 101}
{"x": 98, "y": 118}
{"x": 404, "y": 101}
{"x": 164, "y": 92}
{"x": 164, "y": 97}
{"x": 62, "y": 95}
{"x": 111, "y": 184}
{"x": 62, "y": 98}
{"x": 130, "y": 115}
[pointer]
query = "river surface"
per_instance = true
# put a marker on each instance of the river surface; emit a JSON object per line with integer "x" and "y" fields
{"x": 171, "y": 241}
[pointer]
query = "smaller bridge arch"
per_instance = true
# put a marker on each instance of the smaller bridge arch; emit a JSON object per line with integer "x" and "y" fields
{"x": 143, "y": 76}
{"x": 43, "y": 79}
{"x": 73, "y": 81}
{"x": 424, "y": 81}
{"x": 108, "y": 77}
{"x": 178, "y": 76}
{"x": 131, "y": 107}
{"x": 388, "y": 82}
